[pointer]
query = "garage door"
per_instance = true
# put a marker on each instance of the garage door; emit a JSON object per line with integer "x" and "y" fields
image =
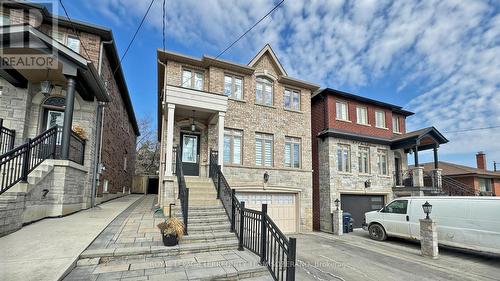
{"x": 358, "y": 205}
{"x": 281, "y": 207}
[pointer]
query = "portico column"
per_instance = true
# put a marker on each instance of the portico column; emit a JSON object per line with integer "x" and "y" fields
{"x": 68, "y": 116}
{"x": 220, "y": 143}
{"x": 416, "y": 155}
{"x": 436, "y": 161}
{"x": 170, "y": 139}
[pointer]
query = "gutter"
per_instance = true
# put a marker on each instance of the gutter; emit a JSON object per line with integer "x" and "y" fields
{"x": 98, "y": 139}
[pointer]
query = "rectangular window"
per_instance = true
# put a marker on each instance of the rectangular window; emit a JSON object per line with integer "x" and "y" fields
{"x": 485, "y": 185}
{"x": 73, "y": 43}
{"x": 362, "y": 115}
{"x": 125, "y": 162}
{"x": 380, "y": 119}
{"x": 232, "y": 146}
{"x": 382, "y": 161}
{"x": 344, "y": 158}
{"x": 342, "y": 111}
{"x": 264, "y": 91}
{"x": 192, "y": 79}
{"x": 233, "y": 86}
{"x": 364, "y": 160}
{"x": 264, "y": 150}
{"x": 4, "y": 19}
{"x": 395, "y": 124}
{"x": 292, "y": 152}
{"x": 292, "y": 100}
{"x": 105, "y": 186}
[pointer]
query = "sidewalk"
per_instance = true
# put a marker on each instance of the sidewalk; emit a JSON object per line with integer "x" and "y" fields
{"x": 45, "y": 250}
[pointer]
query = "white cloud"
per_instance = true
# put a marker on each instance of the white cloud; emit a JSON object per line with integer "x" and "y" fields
{"x": 448, "y": 50}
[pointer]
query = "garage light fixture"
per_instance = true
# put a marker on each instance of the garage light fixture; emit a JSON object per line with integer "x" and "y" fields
{"x": 266, "y": 177}
{"x": 427, "y": 209}
{"x": 337, "y": 203}
{"x": 193, "y": 126}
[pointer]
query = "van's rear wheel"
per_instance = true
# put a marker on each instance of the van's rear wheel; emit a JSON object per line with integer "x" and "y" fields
{"x": 377, "y": 232}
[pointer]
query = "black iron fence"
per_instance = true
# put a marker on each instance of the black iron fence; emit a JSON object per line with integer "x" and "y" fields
{"x": 76, "y": 147}
{"x": 16, "y": 164}
{"x": 255, "y": 230}
{"x": 7, "y": 138}
{"x": 403, "y": 178}
{"x": 183, "y": 190}
{"x": 454, "y": 187}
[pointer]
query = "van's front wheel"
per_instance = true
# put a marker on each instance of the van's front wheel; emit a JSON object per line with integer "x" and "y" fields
{"x": 377, "y": 232}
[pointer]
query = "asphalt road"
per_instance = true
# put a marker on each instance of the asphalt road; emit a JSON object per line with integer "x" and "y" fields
{"x": 322, "y": 256}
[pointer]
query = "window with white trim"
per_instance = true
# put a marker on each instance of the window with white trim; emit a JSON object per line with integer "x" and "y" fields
{"x": 343, "y": 158}
{"x": 380, "y": 119}
{"x": 73, "y": 43}
{"x": 382, "y": 161}
{"x": 485, "y": 185}
{"x": 292, "y": 100}
{"x": 192, "y": 79}
{"x": 4, "y": 18}
{"x": 342, "y": 111}
{"x": 232, "y": 146}
{"x": 364, "y": 160}
{"x": 264, "y": 91}
{"x": 263, "y": 150}
{"x": 395, "y": 124}
{"x": 362, "y": 115}
{"x": 292, "y": 152}
{"x": 233, "y": 86}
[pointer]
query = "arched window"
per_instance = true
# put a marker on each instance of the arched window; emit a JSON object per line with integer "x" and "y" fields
{"x": 264, "y": 91}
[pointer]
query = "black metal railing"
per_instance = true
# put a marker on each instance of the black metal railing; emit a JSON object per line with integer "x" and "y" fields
{"x": 403, "y": 178}
{"x": 254, "y": 229}
{"x": 7, "y": 138}
{"x": 183, "y": 190}
{"x": 76, "y": 147}
{"x": 454, "y": 187}
{"x": 16, "y": 164}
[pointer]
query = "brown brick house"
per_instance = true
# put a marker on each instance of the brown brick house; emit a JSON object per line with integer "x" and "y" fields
{"x": 359, "y": 152}
{"x": 255, "y": 116}
{"x": 92, "y": 158}
{"x": 479, "y": 179}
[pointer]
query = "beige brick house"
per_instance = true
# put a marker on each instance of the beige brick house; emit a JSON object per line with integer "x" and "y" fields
{"x": 257, "y": 118}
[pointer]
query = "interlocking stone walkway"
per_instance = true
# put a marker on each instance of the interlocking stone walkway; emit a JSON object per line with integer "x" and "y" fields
{"x": 130, "y": 248}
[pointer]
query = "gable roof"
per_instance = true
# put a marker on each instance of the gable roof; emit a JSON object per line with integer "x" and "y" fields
{"x": 267, "y": 49}
{"x": 452, "y": 169}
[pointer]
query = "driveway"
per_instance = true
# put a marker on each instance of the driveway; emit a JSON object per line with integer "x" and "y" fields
{"x": 322, "y": 256}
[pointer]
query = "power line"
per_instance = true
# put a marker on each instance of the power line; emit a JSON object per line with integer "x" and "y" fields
{"x": 250, "y": 29}
{"x": 133, "y": 37}
{"x": 472, "y": 129}
{"x": 74, "y": 29}
{"x": 163, "y": 25}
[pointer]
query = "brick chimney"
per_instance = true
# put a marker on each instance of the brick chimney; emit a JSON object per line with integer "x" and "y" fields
{"x": 481, "y": 160}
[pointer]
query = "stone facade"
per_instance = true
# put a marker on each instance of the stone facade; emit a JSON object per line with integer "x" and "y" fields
{"x": 251, "y": 118}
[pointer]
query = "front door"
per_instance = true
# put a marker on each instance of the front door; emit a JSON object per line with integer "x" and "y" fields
{"x": 397, "y": 171}
{"x": 190, "y": 154}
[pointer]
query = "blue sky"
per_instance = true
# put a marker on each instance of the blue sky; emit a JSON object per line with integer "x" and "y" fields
{"x": 440, "y": 59}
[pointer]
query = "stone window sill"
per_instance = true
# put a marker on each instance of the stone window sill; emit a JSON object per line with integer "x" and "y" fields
{"x": 294, "y": 111}
{"x": 366, "y": 125}
{"x": 237, "y": 100}
{"x": 342, "y": 120}
{"x": 264, "y": 105}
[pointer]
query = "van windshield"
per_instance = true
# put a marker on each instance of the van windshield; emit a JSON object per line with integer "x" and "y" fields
{"x": 396, "y": 207}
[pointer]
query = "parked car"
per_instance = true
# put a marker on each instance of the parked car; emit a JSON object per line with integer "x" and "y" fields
{"x": 463, "y": 222}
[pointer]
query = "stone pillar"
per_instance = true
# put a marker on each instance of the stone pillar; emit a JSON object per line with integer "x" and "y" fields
{"x": 220, "y": 130}
{"x": 437, "y": 178}
{"x": 68, "y": 117}
{"x": 169, "y": 140}
{"x": 337, "y": 224}
{"x": 429, "y": 238}
{"x": 418, "y": 176}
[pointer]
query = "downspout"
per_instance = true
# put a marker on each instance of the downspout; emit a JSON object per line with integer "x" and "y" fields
{"x": 98, "y": 138}
{"x": 161, "y": 171}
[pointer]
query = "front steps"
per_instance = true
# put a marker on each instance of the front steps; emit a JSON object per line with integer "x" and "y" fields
{"x": 208, "y": 252}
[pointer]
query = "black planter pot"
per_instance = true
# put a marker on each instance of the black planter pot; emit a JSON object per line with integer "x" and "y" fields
{"x": 169, "y": 240}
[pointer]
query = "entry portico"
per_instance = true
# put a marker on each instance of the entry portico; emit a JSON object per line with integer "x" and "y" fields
{"x": 194, "y": 124}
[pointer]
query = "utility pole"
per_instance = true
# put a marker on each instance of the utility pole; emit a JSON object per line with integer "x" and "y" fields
{"x": 495, "y": 166}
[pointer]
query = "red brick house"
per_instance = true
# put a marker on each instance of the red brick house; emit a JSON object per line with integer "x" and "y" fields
{"x": 479, "y": 179}
{"x": 359, "y": 149}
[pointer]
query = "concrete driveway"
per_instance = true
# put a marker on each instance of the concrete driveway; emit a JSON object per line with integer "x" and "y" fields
{"x": 322, "y": 256}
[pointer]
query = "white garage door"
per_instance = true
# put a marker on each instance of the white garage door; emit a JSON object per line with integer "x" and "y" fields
{"x": 281, "y": 207}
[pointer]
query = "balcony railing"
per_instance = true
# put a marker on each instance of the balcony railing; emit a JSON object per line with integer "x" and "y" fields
{"x": 7, "y": 138}
{"x": 255, "y": 230}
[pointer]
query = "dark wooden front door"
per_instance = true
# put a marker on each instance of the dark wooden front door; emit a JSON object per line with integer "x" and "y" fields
{"x": 190, "y": 154}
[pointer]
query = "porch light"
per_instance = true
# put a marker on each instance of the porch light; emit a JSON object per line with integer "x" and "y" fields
{"x": 193, "y": 126}
{"x": 266, "y": 177}
{"x": 46, "y": 88}
{"x": 337, "y": 203}
{"x": 427, "y": 209}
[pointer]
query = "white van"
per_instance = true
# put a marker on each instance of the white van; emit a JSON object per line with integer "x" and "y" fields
{"x": 463, "y": 222}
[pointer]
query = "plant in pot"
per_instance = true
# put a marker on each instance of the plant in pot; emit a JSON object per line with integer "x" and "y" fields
{"x": 172, "y": 231}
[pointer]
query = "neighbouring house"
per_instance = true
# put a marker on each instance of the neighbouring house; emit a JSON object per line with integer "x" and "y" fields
{"x": 472, "y": 181}
{"x": 67, "y": 126}
{"x": 255, "y": 116}
{"x": 359, "y": 153}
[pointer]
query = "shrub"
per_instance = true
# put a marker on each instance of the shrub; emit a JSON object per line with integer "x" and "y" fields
{"x": 172, "y": 226}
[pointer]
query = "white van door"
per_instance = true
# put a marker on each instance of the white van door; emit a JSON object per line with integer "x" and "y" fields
{"x": 395, "y": 218}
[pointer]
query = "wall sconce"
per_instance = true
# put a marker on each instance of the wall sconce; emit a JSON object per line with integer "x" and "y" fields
{"x": 427, "y": 209}
{"x": 266, "y": 177}
{"x": 46, "y": 88}
{"x": 337, "y": 203}
{"x": 368, "y": 183}
{"x": 193, "y": 126}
